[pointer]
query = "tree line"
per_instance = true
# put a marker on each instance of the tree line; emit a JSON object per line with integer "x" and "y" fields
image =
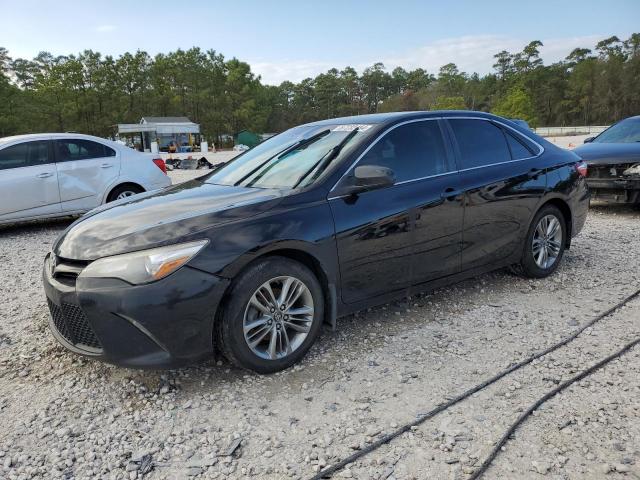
{"x": 91, "y": 93}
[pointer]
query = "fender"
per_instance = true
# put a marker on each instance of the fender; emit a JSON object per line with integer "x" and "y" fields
{"x": 317, "y": 257}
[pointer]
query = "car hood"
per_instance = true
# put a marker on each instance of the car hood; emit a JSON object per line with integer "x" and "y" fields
{"x": 609, "y": 153}
{"x": 158, "y": 218}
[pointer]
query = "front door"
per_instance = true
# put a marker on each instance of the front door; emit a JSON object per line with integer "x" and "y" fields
{"x": 376, "y": 233}
{"x": 85, "y": 170}
{"x": 28, "y": 181}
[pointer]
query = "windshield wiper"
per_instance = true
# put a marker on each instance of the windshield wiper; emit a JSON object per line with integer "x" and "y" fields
{"x": 327, "y": 158}
{"x": 304, "y": 143}
{"x": 299, "y": 144}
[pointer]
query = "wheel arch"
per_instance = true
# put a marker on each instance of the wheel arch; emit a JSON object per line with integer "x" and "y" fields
{"x": 565, "y": 209}
{"x": 301, "y": 255}
{"x": 121, "y": 184}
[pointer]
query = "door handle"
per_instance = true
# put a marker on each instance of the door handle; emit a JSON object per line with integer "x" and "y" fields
{"x": 534, "y": 172}
{"x": 106, "y": 165}
{"x": 450, "y": 193}
{"x": 44, "y": 175}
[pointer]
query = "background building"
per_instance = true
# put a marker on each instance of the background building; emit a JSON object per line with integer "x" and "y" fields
{"x": 176, "y": 134}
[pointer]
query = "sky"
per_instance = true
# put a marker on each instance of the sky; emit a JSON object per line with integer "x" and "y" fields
{"x": 292, "y": 40}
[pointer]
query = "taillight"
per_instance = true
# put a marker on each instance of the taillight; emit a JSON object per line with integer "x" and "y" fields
{"x": 581, "y": 168}
{"x": 160, "y": 164}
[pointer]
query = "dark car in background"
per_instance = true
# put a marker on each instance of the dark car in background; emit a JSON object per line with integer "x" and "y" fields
{"x": 315, "y": 223}
{"x": 613, "y": 159}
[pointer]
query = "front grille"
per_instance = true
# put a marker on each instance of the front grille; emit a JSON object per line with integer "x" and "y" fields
{"x": 59, "y": 321}
{"x": 72, "y": 324}
{"x": 66, "y": 271}
{"x": 607, "y": 171}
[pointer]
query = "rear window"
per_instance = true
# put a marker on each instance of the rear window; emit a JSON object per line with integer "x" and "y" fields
{"x": 480, "y": 142}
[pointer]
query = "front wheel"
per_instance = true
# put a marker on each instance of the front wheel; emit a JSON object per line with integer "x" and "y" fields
{"x": 273, "y": 315}
{"x": 544, "y": 244}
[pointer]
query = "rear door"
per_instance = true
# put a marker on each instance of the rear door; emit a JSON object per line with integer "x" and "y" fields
{"x": 85, "y": 170}
{"x": 28, "y": 181}
{"x": 503, "y": 184}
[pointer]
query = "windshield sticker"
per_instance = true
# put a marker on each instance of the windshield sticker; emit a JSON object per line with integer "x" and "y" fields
{"x": 349, "y": 128}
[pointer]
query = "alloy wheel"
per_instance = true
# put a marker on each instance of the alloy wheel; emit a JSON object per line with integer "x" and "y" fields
{"x": 278, "y": 317}
{"x": 547, "y": 241}
{"x": 125, "y": 194}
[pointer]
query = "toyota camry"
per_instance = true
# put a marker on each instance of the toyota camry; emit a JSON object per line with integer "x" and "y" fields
{"x": 315, "y": 223}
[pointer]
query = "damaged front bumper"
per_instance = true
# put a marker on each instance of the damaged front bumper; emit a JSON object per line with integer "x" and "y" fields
{"x": 615, "y": 183}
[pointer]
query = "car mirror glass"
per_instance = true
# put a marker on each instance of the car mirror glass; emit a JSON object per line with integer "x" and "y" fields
{"x": 368, "y": 177}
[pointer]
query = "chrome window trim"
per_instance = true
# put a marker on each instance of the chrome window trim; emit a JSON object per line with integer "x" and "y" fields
{"x": 424, "y": 178}
{"x": 407, "y": 181}
{"x": 491, "y": 120}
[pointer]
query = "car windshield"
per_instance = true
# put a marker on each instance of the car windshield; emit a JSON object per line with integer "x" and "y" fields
{"x": 626, "y": 131}
{"x": 294, "y": 158}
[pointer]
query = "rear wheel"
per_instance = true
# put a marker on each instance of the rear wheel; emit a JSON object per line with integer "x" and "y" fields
{"x": 124, "y": 191}
{"x": 273, "y": 316}
{"x": 544, "y": 244}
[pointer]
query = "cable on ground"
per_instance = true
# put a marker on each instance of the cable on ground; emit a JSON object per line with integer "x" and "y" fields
{"x": 496, "y": 450}
{"x": 330, "y": 470}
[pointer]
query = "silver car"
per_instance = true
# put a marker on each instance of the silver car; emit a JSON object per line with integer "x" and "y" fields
{"x": 53, "y": 174}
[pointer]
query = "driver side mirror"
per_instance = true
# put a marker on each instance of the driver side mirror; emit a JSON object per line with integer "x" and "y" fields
{"x": 369, "y": 177}
{"x": 589, "y": 139}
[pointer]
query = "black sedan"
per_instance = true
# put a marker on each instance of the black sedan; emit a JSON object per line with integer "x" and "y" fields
{"x": 613, "y": 158}
{"x": 315, "y": 223}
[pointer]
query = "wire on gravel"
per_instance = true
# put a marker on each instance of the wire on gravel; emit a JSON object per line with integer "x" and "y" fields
{"x": 329, "y": 471}
{"x": 496, "y": 450}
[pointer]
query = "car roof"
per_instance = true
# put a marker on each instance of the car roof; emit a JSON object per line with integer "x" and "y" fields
{"x": 47, "y": 136}
{"x": 392, "y": 117}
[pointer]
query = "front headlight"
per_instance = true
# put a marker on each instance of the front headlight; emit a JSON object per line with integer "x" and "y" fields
{"x": 144, "y": 266}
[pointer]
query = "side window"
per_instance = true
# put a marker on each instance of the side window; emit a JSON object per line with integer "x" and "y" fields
{"x": 78, "y": 149}
{"x": 518, "y": 148}
{"x": 14, "y": 156}
{"x": 480, "y": 142}
{"x": 24, "y": 155}
{"x": 412, "y": 151}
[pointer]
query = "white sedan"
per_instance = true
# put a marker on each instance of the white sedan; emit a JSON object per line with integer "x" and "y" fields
{"x": 58, "y": 174}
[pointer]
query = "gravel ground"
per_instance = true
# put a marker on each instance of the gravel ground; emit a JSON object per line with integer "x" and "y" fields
{"x": 63, "y": 416}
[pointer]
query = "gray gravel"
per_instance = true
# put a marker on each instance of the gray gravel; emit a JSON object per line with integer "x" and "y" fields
{"x": 63, "y": 416}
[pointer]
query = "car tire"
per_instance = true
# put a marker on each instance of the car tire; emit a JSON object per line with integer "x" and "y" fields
{"x": 538, "y": 242}
{"x": 253, "y": 320}
{"x": 122, "y": 191}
